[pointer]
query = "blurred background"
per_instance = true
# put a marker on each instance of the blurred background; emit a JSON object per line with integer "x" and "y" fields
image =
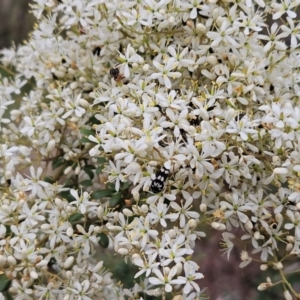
{"x": 16, "y": 22}
{"x": 224, "y": 279}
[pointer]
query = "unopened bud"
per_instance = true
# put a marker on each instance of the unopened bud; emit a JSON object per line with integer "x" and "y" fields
{"x": 127, "y": 212}
{"x": 123, "y": 251}
{"x": 34, "y": 275}
{"x": 257, "y": 235}
{"x": 67, "y": 170}
{"x": 212, "y": 60}
{"x": 201, "y": 28}
{"x": 289, "y": 247}
{"x": 144, "y": 208}
{"x": 203, "y": 207}
{"x": 69, "y": 274}
{"x": 278, "y": 266}
{"x": 264, "y": 267}
{"x": 68, "y": 262}
{"x": 59, "y": 203}
{"x": 11, "y": 260}
{"x": 192, "y": 223}
{"x": 287, "y": 295}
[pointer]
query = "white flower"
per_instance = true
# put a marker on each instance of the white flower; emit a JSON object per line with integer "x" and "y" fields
{"x": 165, "y": 72}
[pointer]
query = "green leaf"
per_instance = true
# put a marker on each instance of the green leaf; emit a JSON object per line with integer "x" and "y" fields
{"x": 115, "y": 199}
{"x": 4, "y": 283}
{"x": 91, "y": 167}
{"x": 101, "y": 160}
{"x": 85, "y": 140}
{"x": 49, "y": 179}
{"x": 75, "y": 217}
{"x": 104, "y": 240}
{"x": 8, "y": 296}
{"x": 86, "y": 182}
{"x": 102, "y": 193}
{"x": 100, "y": 169}
{"x": 86, "y": 131}
{"x": 57, "y": 163}
{"x": 89, "y": 172}
{"x": 66, "y": 195}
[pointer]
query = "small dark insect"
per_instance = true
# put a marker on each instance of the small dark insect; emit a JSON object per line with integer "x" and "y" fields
{"x": 115, "y": 73}
{"x": 54, "y": 76}
{"x": 239, "y": 117}
{"x": 158, "y": 184}
{"x": 97, "y": 51}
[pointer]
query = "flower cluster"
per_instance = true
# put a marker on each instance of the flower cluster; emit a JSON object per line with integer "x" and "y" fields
{"x": 144, "y": 120}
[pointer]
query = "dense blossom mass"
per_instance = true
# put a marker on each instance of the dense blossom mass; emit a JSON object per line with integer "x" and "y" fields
{"x": 144, "y": 120}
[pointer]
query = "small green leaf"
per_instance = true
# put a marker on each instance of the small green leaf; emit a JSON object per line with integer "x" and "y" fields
{"x": 8, "y": 296}
{"x": 101, "y": 160}
{"x": 115, "y": 199}
{"x": 75, "y": 217}
{"x": 86, "y": 182}
{"x": 103, "y": 240}
{"x": 85, "y": 140}
{"x": 100, "y": 169}
{"x": 91, "y": 167}
{"x": 49, "y": 179}
{"x": 86, "y": 131}
{"x": 89, "y": 172}
{"x": 57, "y": 163}
{"x": 102, "y": 193}
{"x": 4, "y": 283}
{"x": 66, "y": 195}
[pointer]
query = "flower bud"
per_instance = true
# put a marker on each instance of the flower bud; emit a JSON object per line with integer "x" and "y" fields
{"x": 146, "y": 67}
{"x": 34, "y": 275}
{"x": 59, "y": 203}
{"x": 127, "y": 212}
{"x": 192, "y": 223}
{"x": 172, "y": 233}
{"x": 42, "y": 263}
{"x": 278, "y": 266}
{"x": 77, "y": 170}
{"x": 45, "y": 226}
{"x": 2, "y": 260}
{"x": 287, "y": 295}
{"x": 73, "y": 85}
{"x": 262, "y": 286}
{"x": 51, "y": 145}
{"x": 203, "y": 207}
{"x": 68, "y": 262}
{"x": 123, "y": 251}
{"x": 264, "y": 267}
{"x": 11, "y": 260}
{"x": 257, "y": 235}
{"x": 67, "y": 297}
{"x": 212, "y": 60}
{"x": 69, "y": 274}
{"x": 280, "y": 171}
{"x": 67, "y": 170}
{"x": 84, "y": 103}
{"x": 290, "y": 239}
{"x": 144, "y": 208}
{"x": 201, "y": 28}
{"x": 179, "y": 268}
{"x": 289, "y": 247}
{"x": 249, "y": 225}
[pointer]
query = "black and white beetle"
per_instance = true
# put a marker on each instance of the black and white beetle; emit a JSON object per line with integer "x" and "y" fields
{"x": 158, "y": 184}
